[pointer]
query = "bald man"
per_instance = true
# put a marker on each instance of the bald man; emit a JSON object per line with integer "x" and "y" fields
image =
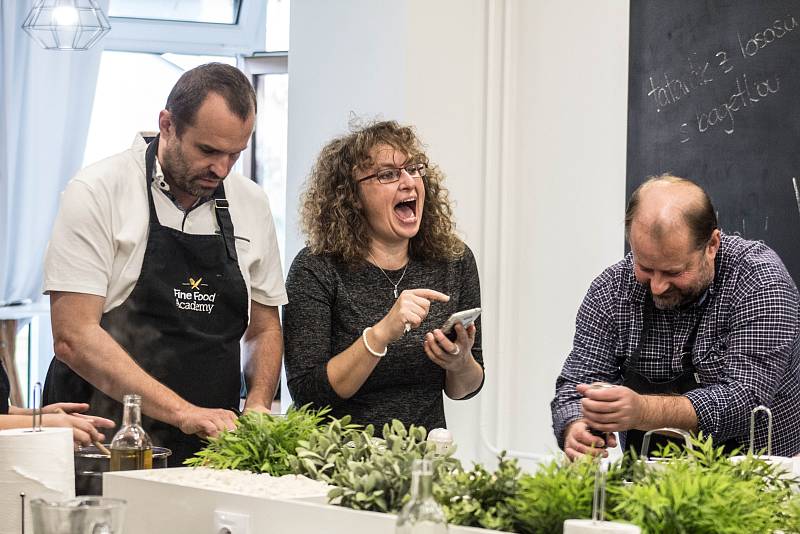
{"x": 693, "y": 328}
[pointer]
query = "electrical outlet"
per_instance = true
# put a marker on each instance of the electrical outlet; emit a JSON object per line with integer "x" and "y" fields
{"x": 231, "y": 523}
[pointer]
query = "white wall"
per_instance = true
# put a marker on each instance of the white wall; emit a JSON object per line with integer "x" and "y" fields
{"x": 523, "y": 104}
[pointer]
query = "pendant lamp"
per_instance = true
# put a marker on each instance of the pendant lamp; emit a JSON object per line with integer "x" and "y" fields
{"x": 66, "y": 24}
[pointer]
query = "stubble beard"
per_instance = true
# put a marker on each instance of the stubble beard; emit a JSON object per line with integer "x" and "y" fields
{"x": 680, "y": 298}
{"x": 176, "y": 169}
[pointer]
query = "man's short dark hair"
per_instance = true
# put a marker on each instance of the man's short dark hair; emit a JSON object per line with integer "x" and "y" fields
{"x": 700, "y": 216}
{"x": 193, "y": 87}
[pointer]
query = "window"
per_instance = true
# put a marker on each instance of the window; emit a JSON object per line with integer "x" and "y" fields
{"x": 270, "y": 145}
{"x": 143, "y": 59}
{"x": 208, "y": 11}
{"x": 131, "y": 89}
{"x": 216, "y": 27}
{"x": 22, "y": 359}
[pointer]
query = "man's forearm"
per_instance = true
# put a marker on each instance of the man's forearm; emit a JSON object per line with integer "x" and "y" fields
{"x": 675, "y": 411}
{"x": 262, "y": 368}
{"x": 263, "y": 348}
{"x": 92, "y": 353}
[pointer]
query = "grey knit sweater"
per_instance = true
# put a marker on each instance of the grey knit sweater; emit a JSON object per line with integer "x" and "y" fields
{"x": 330, "y": 304}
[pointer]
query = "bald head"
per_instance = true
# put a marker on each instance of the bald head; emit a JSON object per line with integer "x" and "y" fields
{"x": 670, "y": 206}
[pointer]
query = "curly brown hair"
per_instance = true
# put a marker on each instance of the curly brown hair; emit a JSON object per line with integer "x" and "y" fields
{"x": 331, "y": 212}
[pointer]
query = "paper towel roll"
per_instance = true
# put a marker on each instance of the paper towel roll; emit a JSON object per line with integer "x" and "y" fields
{"x": 40, "y": 464}
{"x": 587, "y": 526}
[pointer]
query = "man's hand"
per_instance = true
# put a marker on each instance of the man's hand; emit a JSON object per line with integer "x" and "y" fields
{"x": 612, "y": 409}
{"x": 256, "y": 407}
{"x": 206, "y": 422}
{"x": 579, "y": 441}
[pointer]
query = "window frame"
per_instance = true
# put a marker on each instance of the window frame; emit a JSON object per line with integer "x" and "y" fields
{"x": 262, "y": 63}
{"x": 198, "y": 38}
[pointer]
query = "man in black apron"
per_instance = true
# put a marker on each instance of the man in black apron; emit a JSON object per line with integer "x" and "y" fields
{"x": 181, "y": 325}
{"x": 693, "y": 330}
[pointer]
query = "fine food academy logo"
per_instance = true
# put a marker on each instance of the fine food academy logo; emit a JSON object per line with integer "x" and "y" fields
{"x": 192, "y": 297}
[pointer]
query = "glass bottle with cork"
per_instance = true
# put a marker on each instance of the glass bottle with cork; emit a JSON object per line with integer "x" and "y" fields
{"x": 422, "y": 514}
{"x": 131, "y": 447}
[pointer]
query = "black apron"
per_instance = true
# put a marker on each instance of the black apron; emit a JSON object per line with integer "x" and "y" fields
{"x": 683, "y": 383}
{"x": 182, "y": 324}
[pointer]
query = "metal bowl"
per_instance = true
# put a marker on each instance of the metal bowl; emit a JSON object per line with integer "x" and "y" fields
{"x": 90, "y": 464}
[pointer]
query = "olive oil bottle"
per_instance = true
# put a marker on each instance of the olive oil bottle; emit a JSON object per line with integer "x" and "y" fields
{"x": 131, "y": 447}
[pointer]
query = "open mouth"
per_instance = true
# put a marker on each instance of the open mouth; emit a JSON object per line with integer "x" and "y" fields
{"x": 406, "y": 210}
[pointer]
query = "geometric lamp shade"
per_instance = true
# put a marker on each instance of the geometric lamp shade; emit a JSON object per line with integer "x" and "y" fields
{"x": 66, "y": 24}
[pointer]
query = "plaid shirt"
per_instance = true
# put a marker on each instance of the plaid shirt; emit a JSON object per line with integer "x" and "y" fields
{"x": 747, "y": 350}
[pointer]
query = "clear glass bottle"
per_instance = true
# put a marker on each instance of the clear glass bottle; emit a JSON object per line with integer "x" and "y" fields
{"x": 422, "y": 514}
{"x": 131, "y": 447}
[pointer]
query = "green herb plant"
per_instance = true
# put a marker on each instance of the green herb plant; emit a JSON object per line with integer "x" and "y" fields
{"x": 701, "y": 491}
{"x": 369, "y": 473}
{"x": 555, "y": 492}
{"x": 318, "y": 455}
{"x": 480, "y": 498}
{"x": 792, "y": 525}
{"x": 261, "y": 443}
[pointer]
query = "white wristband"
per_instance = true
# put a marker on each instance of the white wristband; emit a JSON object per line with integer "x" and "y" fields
{"x": 369, "y": 349}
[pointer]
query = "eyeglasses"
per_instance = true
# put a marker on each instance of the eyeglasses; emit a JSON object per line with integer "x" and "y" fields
{"x": 388, "y": 176}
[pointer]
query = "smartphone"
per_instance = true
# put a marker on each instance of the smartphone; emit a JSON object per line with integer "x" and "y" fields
{"x": 465, "y": 317}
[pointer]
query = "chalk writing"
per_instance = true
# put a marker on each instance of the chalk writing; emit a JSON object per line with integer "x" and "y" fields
{"x": 761, "y": 39}
{"x": 747, "y": 93}
{"x": 666, "y": 89}
{"x": 673, "y": 89}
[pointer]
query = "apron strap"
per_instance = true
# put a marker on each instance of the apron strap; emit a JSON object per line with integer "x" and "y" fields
{"x": 149, "y": 170}
{"x": 220, "y": 202}
{"x": 224, "y": 222}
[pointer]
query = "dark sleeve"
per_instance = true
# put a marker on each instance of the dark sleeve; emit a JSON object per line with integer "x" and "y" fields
{"x": 471, "y": 298}
{"x": 5, "y": 390}
{"x": 310, "y": 287}
{"x": 592, "y": 357}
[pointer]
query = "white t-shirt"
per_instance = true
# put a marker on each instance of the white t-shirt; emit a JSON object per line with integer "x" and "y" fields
{"x": 100, "y": 234}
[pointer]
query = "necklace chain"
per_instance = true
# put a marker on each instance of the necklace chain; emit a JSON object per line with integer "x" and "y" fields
{"x": 387, "y": 276}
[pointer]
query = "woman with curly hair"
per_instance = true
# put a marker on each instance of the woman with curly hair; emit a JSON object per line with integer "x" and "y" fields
{"x": 383, "y": 270}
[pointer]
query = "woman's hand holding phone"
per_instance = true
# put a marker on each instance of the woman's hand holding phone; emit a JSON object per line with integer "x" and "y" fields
{"x": 452, "y": 354}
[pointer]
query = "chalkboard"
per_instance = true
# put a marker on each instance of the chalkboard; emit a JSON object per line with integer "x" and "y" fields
{"x": 714, "y": 95}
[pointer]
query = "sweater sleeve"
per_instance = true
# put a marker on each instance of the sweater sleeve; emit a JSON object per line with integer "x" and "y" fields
{"x": 310, "y": 287}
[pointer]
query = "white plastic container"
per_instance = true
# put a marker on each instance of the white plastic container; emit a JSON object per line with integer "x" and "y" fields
{"x": 588, "y": 526}
{"x": 156, "y": 506}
